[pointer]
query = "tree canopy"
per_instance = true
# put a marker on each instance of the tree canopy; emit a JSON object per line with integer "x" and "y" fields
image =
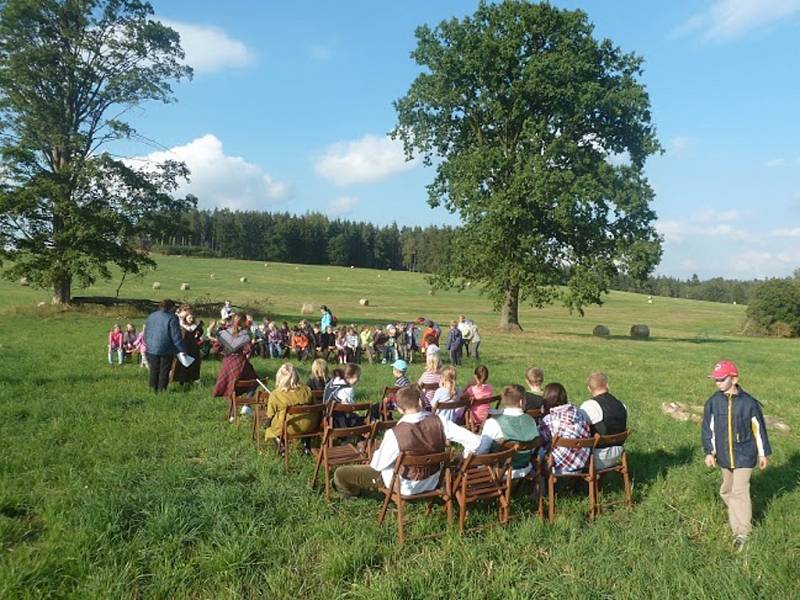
{"x": 70, "y": 70}
{"x": 539, "y": 135}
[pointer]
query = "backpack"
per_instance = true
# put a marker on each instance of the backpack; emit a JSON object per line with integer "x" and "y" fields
{"x": 331, "y": 391}
{"x": 334, "y": 320}
{"x": 340, "y": 420}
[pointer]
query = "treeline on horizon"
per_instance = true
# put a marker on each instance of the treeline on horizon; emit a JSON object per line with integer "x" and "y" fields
{"x": 313, "y": 238}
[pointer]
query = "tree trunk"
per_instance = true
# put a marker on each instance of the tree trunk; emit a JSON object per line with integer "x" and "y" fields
{"x": 62, "y": 287}
{"x": 509, "y": 314}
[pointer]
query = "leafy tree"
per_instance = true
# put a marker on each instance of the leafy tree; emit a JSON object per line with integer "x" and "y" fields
{"x": 539, "y": 133}
{"x": 776, "y": 306}
{"x": 69, "y": 71}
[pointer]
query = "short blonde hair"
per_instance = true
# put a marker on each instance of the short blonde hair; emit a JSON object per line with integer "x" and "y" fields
{"x": 287, "y": 378}
{"x": 534, "y": 376}
{"x": 433, "y": 362}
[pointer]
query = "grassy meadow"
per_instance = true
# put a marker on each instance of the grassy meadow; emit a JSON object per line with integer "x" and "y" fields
{"x": 107, "y": 491}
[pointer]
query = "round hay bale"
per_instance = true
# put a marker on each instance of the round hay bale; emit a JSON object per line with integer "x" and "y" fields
{"x": 40, "y": 304}
{"x": 266, "y": 264}
{"x": 307, "y": 308}
{"x": 389, "y": 269}
{"x": 185, "y": 287}
{"x": 23, "y": 281}
{"x": 243, "y": 279}
{"x": 156, "y": 285}
{"x": 379, "y": 275}
{"x": 352, "y": 267}
{"x": 640, "y": 332}
{"x": 364, "y": 302}
{"x": 430, "y": 292}
{"x": 469, "y": 284}
{"x": 327, "y": 279}
{"x": 211, "y": 276}
{"x": 601, "y": 331}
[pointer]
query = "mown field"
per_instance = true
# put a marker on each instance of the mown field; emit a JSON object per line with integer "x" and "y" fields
{"x": 108, "y": 491}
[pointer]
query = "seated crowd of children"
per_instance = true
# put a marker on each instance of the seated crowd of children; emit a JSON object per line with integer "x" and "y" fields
{"x": 422, "y": 428}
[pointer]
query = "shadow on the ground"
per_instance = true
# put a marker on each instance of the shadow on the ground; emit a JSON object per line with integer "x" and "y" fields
{"x": 645, "y": 467}
{"x": 772, "y": 483}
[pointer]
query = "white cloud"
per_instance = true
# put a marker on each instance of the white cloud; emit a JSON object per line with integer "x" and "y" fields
{"x": 341, "y": 206}
{"x": 774, "y": 163}
{"x": 209, "y": 49}
{"x": 370, "y": 158}
{"x": 703, "y": 225}
{"x": 320, "y": 52}
{"x": 726, "y": 20}
{"x": 219, "y": 180}
{"x": 679, "y": 144}
{"x": 765, "y": 263}
{"x": 793, "y": 232}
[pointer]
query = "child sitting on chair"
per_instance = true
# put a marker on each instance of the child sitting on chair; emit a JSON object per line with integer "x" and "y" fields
{"x": 399, "y": 368}
{"x": 513, "y": 425}
{"x": 565, "y": 421}
{"x": 417, "y": 432}
{"x": 534, "y": 377}
{"x": 478, "y": 391}
{"x": 448, "y": 392}
{"x": 319, "y": 374}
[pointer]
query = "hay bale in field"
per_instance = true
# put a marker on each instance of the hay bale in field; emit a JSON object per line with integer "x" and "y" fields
{"x": 266, "y": 264}
{"x": 243, "y": 279}
{"x": 352, "y": 267}
{"x": 640, "y": 332}
{"x": 23, "y": 281}
{"x": 364, "y": 302}
{"x": 185, "y": 287}
{"x": 212, "y": 276}
{"x": 307, "y": 308}
{"x": 601, "y": 331}
{"x": 379, "y": 275}
{"x": 327, "y": 278}
{"x": 40, "y": 304}
{"x": 389, "y": 269}
{"x": 469, "y": 284}
{"x": 694, "y": 413}
{"x": 431, "y": 292}
{"x": 156, "y": 285}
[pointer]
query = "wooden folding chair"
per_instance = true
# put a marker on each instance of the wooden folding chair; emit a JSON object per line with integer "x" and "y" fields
{"x": 586, "y": 475}
{"x": 440, "y": 462}
{"x": 240, "y": 397}
{"x": 378, "y": 429}
{"x": 295, "y": 414}
{"x": 484, "y": 477}
{"x": 452, "y": 405}
{"x": 316, "y": 396}
{"x": 339, "y": 409}
{"x": 605, "y": 441}
{"x": 469, "y": 419}
{"x": 424, "y": 389}
{"x": 533, "y": 480}
{"x": 331, "y": 455}
{"x": 389, "y": 390}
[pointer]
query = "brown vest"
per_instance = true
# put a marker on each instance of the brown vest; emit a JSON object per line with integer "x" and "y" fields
{"x": 425, "y": 437}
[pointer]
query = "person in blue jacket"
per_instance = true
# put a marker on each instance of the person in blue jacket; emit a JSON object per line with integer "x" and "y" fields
{"x": 163, "y": 339}
{"x": 734, "y": 437}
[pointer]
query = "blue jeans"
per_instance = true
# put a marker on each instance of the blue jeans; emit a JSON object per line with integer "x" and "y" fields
{"x": 111, "y": 352}
{"x": 275, "y": 350}
{"x": 475, "y": 350}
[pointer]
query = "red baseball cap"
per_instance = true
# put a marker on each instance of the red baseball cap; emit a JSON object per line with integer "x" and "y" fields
{"x": 723, "y": 369}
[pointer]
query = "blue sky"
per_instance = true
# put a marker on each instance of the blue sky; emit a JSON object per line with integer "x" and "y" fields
{"x": 291, "y": 101}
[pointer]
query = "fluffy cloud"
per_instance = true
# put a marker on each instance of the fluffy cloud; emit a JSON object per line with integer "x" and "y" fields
{"x": 775, "y": 162}
{"x": 209, "y": 49}
{"x": 219, "y": 180}
{"x": 766, "y": 263}
{"x": 706, "y": 223}
{"x": 365, "y": 160}
{"x": 793, "y": 232}
{"x": 726, "y": 20}
{"x": 342, "y": 205}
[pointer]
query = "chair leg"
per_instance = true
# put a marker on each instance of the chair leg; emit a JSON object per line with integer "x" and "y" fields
{"x": 327, "y": 474}
{"x": 384, "y": 508}
{"x": 448, "y": 504}
{"x": 317, "y": 465}
{"x": 592, "y": 499}
{"x": 286, "y": 446}
{"x": 628, "y": 491}
{"x": 551, "y": 498}
{"x": 400, "y": 533}
{"x": 462, "y": 513}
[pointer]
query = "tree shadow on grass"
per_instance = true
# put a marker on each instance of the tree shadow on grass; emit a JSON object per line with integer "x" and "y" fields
{"x": 698, "y": 339}
{"x": 773, "y": 483}
{"x": 646, "y": 467}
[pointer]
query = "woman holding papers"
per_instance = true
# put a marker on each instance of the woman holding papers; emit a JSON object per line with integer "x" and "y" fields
{"x": 192, "y": 338}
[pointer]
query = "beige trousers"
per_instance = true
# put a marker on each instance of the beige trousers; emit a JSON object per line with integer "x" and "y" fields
{"x": 735, "y": 492}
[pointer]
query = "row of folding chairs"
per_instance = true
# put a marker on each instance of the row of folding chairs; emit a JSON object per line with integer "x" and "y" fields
{"x": 486, "y": 477}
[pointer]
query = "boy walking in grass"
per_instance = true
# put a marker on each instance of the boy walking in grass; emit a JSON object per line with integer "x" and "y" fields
{"x": 734, "y": 437}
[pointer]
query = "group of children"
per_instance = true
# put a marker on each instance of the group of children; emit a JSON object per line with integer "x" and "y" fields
{"x": 126, "y": 343}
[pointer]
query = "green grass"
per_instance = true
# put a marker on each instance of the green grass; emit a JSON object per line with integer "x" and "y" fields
{"x": 107, "y": 491}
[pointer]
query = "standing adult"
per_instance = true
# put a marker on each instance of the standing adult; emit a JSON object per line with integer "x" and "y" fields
{"x": 234, "y": 343}
{"x": 326, "y": 320}
{"x": 192, "y": 338}
{"x": 162, "y": 337}
{"x": 465, "y": 326}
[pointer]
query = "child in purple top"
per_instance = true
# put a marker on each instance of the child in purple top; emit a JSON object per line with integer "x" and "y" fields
{"x": 115, "y": 343}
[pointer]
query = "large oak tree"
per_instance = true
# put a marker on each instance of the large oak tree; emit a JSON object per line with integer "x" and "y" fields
{"x": 539, "y": 134}
{"x": 70, "y": 71}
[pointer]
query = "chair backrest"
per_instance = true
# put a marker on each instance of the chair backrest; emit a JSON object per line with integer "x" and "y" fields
{"x": 382, "y": 426}
{"x": 491, "y": 400}
{"x": 340, "y": 432}
{"x": 428, "y": 387}
{"x": 244, "y": 385}
{"x": 492, "y": 458}
{"x": 317, "y": 394}
{"x": 535, "y": 412}
{"x": 437, "y": 462}
{"x": 560, "y": 442}
{"x": 453, "y": 404}
{"x": 303, "y": 409}
{"x": 389, "y": 390}
{"x": 338, "y": 407}
{"x": 618, "y": 439}
{"x": 528, "y": 446}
